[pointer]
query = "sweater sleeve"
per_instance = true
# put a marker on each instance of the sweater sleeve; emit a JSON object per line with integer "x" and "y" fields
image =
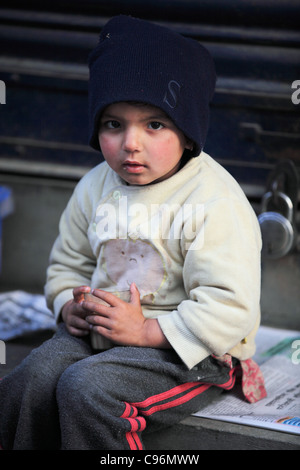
{"x": 71, "y": 261}
{"x": 221, "y": 275}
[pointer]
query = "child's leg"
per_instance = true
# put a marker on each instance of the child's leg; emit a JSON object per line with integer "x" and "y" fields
{"x": 28, "y": 409}
{"x": 108, "y": 399}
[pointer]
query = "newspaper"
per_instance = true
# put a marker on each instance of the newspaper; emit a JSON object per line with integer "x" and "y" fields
{"x": 278, "y": 355}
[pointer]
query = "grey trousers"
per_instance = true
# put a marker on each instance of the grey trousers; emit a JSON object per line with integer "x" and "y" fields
{"x": 64, "y": 395}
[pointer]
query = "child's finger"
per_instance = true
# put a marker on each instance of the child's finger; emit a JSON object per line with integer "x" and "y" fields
{"x": 103, "y": 298}
{"x": 134, "y": 294}
{"x": 78, "y": 293}
{"x": 78, "y": 326}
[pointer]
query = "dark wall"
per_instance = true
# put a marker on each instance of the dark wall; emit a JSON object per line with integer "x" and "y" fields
{"x": 255, "y": 44}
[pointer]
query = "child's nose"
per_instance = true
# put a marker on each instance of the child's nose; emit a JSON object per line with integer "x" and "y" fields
{"x": 132, "y": 140}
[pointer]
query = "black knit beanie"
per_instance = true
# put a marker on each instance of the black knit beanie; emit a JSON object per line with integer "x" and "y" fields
{"x": 136, "y": 60}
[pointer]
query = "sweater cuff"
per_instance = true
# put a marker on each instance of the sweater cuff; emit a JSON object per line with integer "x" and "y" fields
{"x": 188, "y": 347}
{"x": 60, "y": 300}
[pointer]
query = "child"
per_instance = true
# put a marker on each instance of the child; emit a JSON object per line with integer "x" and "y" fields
{"x": 159, "y": 217}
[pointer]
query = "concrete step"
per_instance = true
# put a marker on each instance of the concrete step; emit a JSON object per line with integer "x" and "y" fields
{"x": 195, "y": 433}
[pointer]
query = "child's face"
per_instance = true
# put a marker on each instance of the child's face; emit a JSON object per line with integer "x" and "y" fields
{"x": 140, "y": 143}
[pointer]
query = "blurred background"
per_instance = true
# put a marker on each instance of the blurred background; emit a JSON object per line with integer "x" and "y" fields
{"x": 254, "y": 132}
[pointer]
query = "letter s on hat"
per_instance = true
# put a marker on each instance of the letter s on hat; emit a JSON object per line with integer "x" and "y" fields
{"x": 171, "y": 97}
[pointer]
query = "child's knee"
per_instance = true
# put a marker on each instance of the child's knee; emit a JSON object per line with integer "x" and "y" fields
{"x": 35, "y": 364}
{"x": 73, "y": 386}
{"x": 81, "y": 383}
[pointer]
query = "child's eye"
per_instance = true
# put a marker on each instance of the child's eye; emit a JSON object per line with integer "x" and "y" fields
{"x": 155, "y": 125}
{"x": 112, "y": 124}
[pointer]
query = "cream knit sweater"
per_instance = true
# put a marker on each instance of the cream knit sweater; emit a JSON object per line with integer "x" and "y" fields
{"x": 191, "y": 244}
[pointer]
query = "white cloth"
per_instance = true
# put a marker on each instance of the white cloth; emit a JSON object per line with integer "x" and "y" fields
{"x": 22, "y": 312}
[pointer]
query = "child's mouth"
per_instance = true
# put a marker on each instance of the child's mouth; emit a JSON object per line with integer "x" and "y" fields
{"x": 133, "y": 167}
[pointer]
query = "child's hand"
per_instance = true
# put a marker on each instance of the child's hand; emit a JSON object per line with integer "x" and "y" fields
{"x": 119, "y": 321}
{"x": 123, "y": 322}
{"x": 73, "y": 314}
